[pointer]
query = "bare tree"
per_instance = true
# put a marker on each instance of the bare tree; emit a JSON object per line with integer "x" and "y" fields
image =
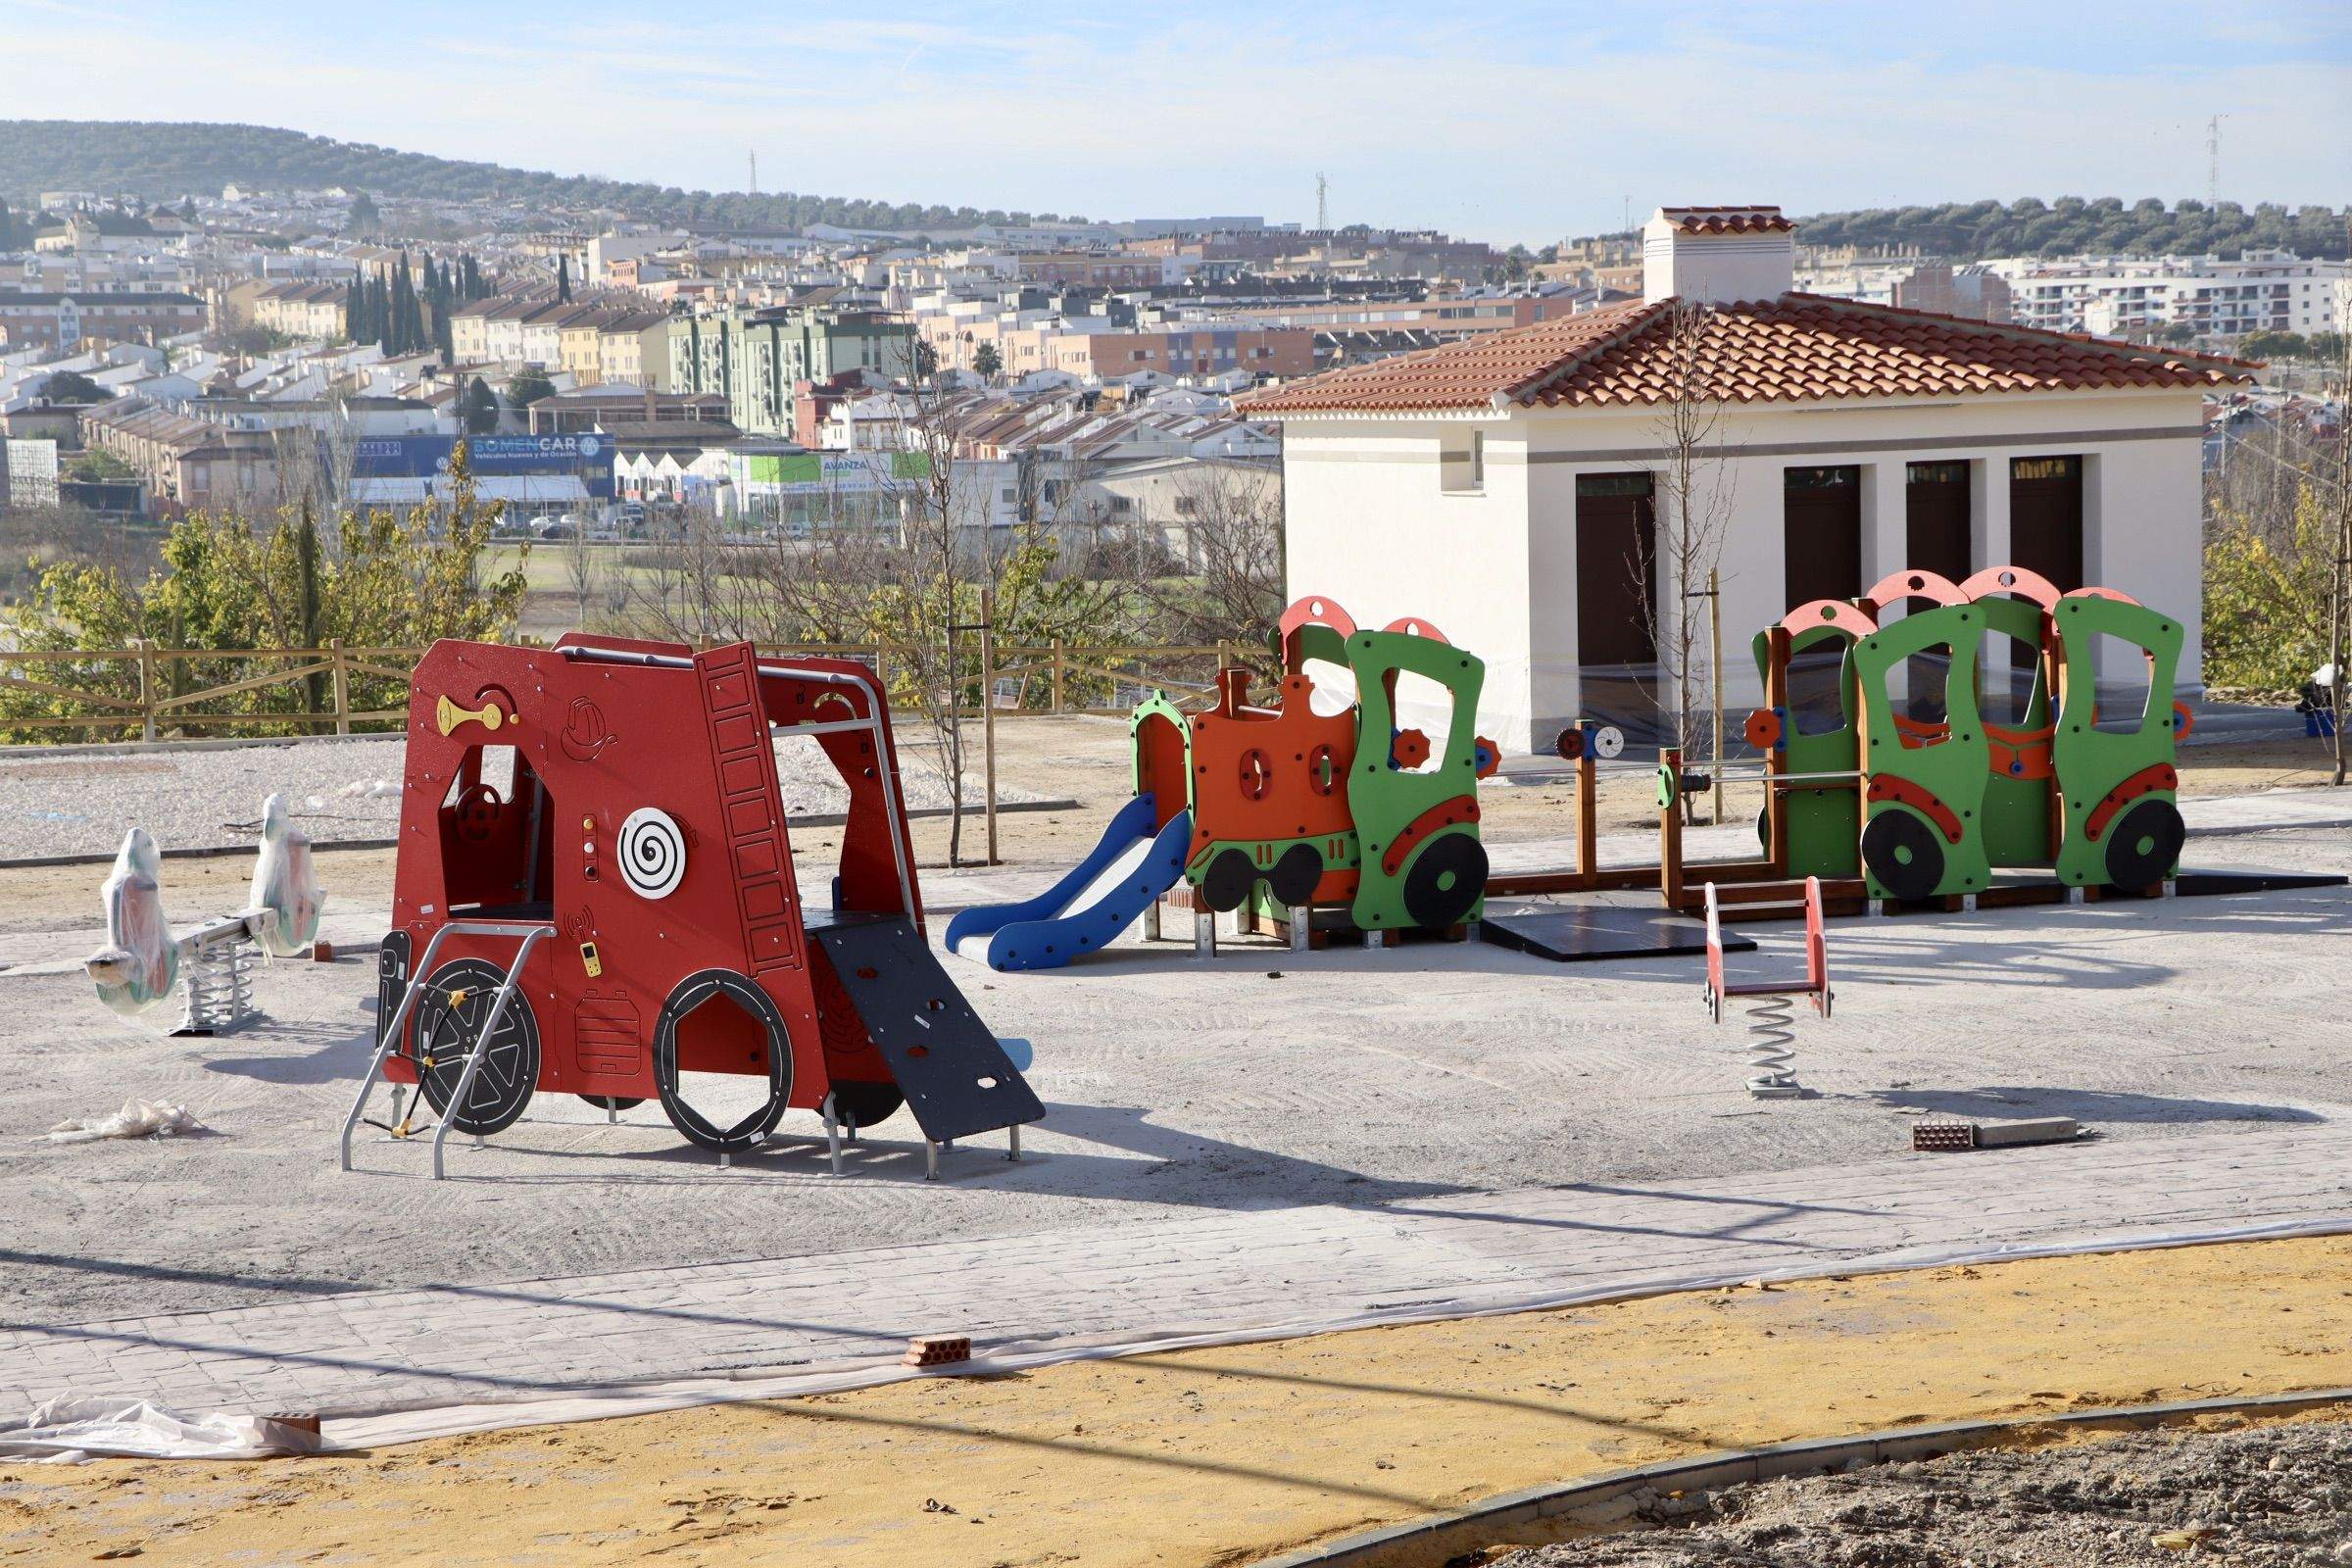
{"x": 1676, "y": 567}
{"x": 1229, "y": 586}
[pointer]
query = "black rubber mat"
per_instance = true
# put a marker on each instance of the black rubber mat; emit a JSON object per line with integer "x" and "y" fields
{"x": 2209, "y": 884}
{"x": 958, "y": 1080}
{"x": 1572, "y": 933}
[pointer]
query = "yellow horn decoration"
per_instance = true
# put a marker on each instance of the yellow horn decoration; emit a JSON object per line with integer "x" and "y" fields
{"x": 449, "y": 716}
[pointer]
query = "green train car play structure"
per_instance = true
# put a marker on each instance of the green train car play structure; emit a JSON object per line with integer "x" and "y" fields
{"x": 1280, "y": 807}
{"x": 1925, "y": 807}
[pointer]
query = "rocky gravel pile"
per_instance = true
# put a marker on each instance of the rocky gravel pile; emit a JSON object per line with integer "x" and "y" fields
{"x": 2258, "y": 1496}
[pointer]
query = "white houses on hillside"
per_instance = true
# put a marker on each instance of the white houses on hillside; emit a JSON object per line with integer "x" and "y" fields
{"x": 1503, "y": 486}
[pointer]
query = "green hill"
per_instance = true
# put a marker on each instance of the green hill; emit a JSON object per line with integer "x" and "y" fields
{"x": 159, "y": 161}
{"x": 1970, "y": 231}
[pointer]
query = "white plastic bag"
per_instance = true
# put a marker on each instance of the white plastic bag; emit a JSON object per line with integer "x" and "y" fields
{"x": 138, "y": 1118}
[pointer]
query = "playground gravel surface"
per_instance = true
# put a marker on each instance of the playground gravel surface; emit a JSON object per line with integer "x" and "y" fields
{"x": 1261, "y": 1080}
{"x": 2266, "y": 1494}
{"x": 189, "y": 797}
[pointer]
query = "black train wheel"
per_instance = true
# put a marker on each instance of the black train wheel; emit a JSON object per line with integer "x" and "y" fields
{"x": 1445, "y": 879}
{"x": 449, "y": 1015}
{"x": 2143, "y": 844}
{"x": 1228, "y": 880}
{"x": 1902, "y": 854}
{"x": 1296, "y": 875}
{"x": 720, "y": 988}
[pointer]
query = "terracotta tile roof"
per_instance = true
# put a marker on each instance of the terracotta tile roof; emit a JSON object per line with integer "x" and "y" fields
{"x": 1728, "y": 220}
{"x": 1797, "y": 348}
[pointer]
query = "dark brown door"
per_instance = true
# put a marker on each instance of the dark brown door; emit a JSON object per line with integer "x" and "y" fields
{"x": 1616, "y": 535}
{"x": 1936, "y": 518}
{"x": 1616, "y": 647}
{"x": 1822, "y": 534}
{"x": 2045, "y": 519}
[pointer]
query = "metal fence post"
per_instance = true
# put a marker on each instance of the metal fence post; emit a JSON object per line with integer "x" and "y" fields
{"x": 342, "y": 686}
{"x": 146, "y": 689}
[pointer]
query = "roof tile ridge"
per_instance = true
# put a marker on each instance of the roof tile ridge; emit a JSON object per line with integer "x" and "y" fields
{"x": 1638, "y": 319}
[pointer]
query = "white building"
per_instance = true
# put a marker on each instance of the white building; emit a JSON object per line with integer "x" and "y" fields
{"x": 1503, "y": 486}
{"x": 2272, "y": 291}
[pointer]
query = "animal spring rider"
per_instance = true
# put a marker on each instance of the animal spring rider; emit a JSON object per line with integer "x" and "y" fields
{"x": 1773, "y": 1015}
{"x": 595, "y": 895}
{"x": 142, "y": 961}
{"x": 1924, "y": 808}
{"x": 1281, "y": 810}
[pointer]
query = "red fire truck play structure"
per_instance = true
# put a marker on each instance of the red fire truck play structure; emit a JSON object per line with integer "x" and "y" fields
{"x": 611, "y": 903}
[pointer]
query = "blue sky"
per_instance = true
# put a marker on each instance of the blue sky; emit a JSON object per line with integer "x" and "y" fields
{"x": 1506, "y": 122}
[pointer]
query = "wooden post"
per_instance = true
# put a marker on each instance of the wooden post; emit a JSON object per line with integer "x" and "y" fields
{"x": 342, "y": 686}
{"x": 146, "y": 689}
{"x": 1670, "y": 832}
{"x": 1057, "y": 674}
{"x": 1715, "y": 680}
{"x": 1776, "y": 799}
{"x": 1588, "y": 814}
{"x": 988, "y": 710}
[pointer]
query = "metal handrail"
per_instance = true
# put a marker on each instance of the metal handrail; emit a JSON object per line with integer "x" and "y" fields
{"x": 531, "y": 931}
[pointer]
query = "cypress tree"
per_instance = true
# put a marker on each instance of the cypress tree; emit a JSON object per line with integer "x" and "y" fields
{"x": 564, "y": 278}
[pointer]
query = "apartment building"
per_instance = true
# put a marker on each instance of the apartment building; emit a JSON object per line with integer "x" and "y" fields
{"x": 186, "y": 465}
{"x": 301, "y": 310}
{"x": 2274, "y": 291}
{"x": 45, "y": 320}
{"x": 753, "y": 357}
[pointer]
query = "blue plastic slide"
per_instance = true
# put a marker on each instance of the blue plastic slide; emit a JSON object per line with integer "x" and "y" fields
{"x": 1101, "y": 897}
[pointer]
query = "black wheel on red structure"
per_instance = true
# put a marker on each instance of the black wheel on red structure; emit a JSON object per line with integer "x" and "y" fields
{"x": 866, "y": 1105}
{"x": 1902, "y": 852}
{"x": 449, "y": 1015}
{"x": 1444, "y": 881}
{"x": 723, "y": 986}
{"x": 2144, "y": 843}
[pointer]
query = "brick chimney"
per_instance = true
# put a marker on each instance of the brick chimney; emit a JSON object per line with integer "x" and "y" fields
{"x": 1718, "y": 255}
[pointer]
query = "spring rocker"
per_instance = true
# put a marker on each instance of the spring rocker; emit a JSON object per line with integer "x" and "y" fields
{"x": 1279, "y": 813}
{"x": 1772, "y": 1015}
{"x": 142, "y": 961}
{"x": 595, "y": 895}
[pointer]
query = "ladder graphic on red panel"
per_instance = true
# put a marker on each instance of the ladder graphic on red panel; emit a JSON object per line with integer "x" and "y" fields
{"x": 728, "y": 679}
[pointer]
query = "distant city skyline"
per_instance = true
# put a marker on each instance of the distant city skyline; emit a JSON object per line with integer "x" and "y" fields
{"x": 1516, "y": 123}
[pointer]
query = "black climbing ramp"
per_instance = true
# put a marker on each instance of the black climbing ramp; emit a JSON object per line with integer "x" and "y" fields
{"x": 958, "y": 1080}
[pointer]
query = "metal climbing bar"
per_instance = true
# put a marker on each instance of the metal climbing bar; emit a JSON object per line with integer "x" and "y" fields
{"x": 388, "y": 1036}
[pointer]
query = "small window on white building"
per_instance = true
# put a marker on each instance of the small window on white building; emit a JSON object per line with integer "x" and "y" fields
{"x": 1462, "y": 463}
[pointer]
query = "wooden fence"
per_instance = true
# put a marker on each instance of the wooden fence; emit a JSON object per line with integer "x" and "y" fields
{"x": 151, "y": 693}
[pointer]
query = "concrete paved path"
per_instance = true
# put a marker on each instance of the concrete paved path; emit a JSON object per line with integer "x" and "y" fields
{"x": 1252, "y": 1274}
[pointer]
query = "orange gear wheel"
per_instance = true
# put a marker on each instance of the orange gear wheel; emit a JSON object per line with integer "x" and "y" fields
{"x": 1763, "y": 730}
{"x": 1489, "y": 757}
{"x": 1409, "y": 750}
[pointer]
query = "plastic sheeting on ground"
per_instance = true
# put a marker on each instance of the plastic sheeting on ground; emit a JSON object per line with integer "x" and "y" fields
{"x": 72, "y": 1426}
{"x": 138, "y": 1118}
